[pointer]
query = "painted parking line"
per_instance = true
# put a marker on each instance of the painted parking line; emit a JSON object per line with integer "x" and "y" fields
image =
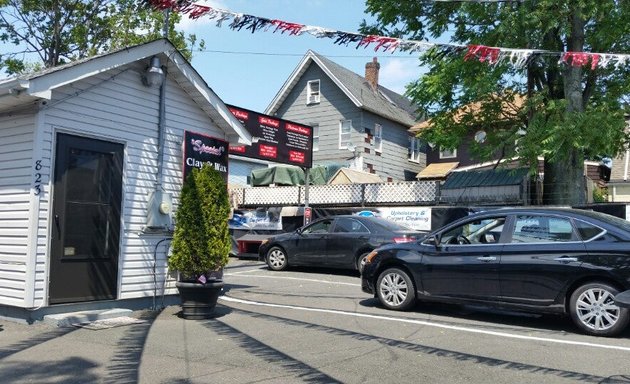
{"x": 427, "y": 323}
{"x": 241, "y": 274}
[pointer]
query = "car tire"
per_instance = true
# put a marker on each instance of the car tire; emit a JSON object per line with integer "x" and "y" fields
{"x": 395, "y": 290}
{"x": 361, "y": 261}
{"x": 277, "y": 259}
{"x": 593, "y": 310}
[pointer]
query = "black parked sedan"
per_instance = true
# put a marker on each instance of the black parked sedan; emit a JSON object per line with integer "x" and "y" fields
{"x": 542, "y": 260}
{"x": 336, "y": 242}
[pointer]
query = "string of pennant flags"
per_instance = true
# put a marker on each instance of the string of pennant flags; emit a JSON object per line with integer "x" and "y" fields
{"x": 490, "y": 55}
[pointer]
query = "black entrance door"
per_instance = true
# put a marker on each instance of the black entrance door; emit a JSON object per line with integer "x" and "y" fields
{"x": 86, "y": 220}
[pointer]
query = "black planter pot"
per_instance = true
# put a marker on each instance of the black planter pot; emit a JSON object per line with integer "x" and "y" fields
{"x": 199, "y": 300}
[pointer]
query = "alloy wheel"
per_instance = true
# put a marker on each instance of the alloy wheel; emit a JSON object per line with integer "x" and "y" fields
{"x": 596, "y": 309}
{"x": 393, "y": 289}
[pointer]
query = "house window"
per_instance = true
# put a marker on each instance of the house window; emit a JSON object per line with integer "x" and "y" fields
{"x": 448, "y": 153}
{"x": 414, "y": 149}
{"x": 345, "y": 133}
{"x": 312, "y": 92}
{"x": 315, "y": 136}
{"x": 378, "y": 138}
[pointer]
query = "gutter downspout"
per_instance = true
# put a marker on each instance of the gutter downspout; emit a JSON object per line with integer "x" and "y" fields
{"x": 161, "y": 128}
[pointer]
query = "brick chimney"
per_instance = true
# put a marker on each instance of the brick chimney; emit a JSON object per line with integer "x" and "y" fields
{"x": 371, "y": 73}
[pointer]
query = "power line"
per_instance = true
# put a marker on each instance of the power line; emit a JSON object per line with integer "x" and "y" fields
{"x": 297, "y": 54}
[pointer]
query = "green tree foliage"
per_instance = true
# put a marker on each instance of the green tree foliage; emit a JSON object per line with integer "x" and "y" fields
{"x": 201, "y": 242}
{"x": 571, "y": 113}
{"x": 47, "y": 33}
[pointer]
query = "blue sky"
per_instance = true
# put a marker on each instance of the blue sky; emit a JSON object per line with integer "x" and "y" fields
{"x": 247, "y": 70}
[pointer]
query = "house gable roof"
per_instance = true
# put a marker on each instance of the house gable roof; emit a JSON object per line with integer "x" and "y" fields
{"x": 352, "y": 176}
{"x": 385, "y": 103}
{"x": 510, "y": 111}
{"x": 27, "y": 89}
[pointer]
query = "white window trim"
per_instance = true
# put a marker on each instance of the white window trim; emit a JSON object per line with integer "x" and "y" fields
{"x": 378, "y": 133}
{"x": 315, "y": 137}
{"x": 414, "y": 149}
{"x": 313, "y": 97}
{"x": 341, "y": 145}
{"x": 453, "y": 156}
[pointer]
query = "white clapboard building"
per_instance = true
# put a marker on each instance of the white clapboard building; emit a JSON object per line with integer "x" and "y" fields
{"x": 91, "y": 159}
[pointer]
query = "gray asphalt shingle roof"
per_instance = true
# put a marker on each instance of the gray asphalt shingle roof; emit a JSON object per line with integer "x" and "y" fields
{"x": 385, "y": 102}
{"x": 391, "y": 106}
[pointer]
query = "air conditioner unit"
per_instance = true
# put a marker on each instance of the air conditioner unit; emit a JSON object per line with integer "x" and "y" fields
{"x": 313, "y": 99}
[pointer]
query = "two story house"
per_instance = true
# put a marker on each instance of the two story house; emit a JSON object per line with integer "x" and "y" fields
{"x": 357, "y": 123}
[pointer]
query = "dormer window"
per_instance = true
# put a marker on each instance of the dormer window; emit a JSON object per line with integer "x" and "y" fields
{"x": 312, "y": 92}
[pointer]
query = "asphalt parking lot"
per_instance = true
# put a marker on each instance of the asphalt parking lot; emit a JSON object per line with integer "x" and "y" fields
{"x": 314, "y": 326}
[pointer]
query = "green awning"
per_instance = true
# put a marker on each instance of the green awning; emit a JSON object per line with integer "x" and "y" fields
{"x": 281, "y": 175}
{"x": 487, "y": 178}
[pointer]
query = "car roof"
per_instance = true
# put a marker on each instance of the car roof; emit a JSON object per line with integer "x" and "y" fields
{"x": 584, "y": 214}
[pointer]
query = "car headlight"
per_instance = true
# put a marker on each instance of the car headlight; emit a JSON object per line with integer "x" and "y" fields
{"x": 370, "y": 257}
{"x": 265, "y": 241}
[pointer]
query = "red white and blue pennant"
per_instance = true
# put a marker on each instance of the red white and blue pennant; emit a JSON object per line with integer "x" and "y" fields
{"x": 490, "y": 55}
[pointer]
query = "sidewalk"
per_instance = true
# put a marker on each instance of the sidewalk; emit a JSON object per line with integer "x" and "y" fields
{"x": 162, "y": 349}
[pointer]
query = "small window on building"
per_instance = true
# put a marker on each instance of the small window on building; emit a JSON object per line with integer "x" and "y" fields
{"x": 378, "y": 138}
{"x": 448, "y": 153}
{"x": 414, "y": 149}
{"x": 312, "y": 92}
{"x": 315, "y": 136}
{"x": 345, "y": 133}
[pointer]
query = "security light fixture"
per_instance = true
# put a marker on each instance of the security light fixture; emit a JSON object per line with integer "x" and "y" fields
{"x": 154, "y": 75}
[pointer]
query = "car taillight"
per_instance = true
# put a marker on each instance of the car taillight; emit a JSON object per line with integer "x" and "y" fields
{"x": 403, "y": 239}
{"x": 370, "y": 257}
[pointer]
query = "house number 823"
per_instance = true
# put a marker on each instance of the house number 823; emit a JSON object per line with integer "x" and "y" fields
{"x": 38, "y": 178}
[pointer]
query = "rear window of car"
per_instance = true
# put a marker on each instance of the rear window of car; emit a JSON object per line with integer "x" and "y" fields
{"x": 346, "y": 224}
{"x": 608, "y": 219}
{"x": 587, "y": 231}
{"x": 390, "y": 225}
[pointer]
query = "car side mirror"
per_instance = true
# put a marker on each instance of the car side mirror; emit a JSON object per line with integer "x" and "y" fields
{"x": 489, "y": 238}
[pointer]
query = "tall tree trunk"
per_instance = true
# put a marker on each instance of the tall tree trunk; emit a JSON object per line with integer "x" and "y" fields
{"x": 564, "y": 182}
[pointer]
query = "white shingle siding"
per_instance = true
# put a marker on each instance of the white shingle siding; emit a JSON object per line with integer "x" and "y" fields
{"x": 16, "y": 141}
{"x": 118, "y": 109}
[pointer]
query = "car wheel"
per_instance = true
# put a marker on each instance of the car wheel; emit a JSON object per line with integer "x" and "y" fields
{"x": 395, "y": 290}
{"x": 277, "y": 259}
{"x": 594, "y": 311}
{"x": 361, "y": 261}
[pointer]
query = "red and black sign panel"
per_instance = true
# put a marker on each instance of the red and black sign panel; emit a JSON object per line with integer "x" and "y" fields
{"x": 279, "y": 140}
{"x": 201, "y": 149}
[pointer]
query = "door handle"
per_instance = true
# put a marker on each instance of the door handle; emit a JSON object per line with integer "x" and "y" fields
{"x": 487, "y": 258}
{"x": 566, "y": 259}
{"x": 58, "y": 227}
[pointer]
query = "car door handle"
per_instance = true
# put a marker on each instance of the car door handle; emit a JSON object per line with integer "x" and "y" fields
{"x": 566, "y": 259}
{"x": 487, "y": 258}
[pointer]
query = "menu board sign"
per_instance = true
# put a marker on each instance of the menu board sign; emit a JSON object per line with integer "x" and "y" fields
{"x": 279, "y": 140}
{"x": 202, "y": 150}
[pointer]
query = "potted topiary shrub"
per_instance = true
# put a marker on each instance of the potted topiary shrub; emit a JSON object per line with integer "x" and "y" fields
{"x": 201, "y": 242}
